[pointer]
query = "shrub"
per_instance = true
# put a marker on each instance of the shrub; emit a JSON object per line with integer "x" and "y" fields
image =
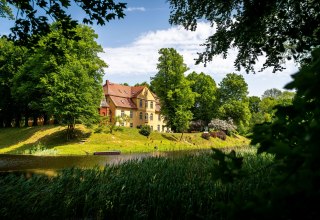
{"x": 222, "y": 125}
{"x": 205, "y": 135}
{"x": 219, "y": 134}
{"x": 222, "y": 135}
{"x": 196, "y": 125}
{"x": 213, "y": 134}
{"x": 145, "y": 130}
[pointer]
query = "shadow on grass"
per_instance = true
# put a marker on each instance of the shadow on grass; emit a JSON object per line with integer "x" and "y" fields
{"x": 13, "y": 136}
{"x": 52, "y": 140}
{"x": 170, "y": 137}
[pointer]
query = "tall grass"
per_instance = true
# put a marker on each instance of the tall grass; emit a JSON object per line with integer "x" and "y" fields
{"x": 156, "y": 188}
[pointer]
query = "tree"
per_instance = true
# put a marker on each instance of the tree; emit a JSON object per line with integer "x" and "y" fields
{"x": 278, "y": 29}
{"x": 293, "y": 138}
{"x": 11, "y": 58}
{"x": 205, "y": 102}
{"x": 238, "y": 111}
{"x": 5, "y": 10}
{"x": 33, "y": 16}
{"x": 233, "y": 101}
{"x": 272, "y": 93}
{"x": 173, "y": 90}
{"x": 63, "y": 77}
{"x": 254, "y": 102}
{"x": 232, "y": 87}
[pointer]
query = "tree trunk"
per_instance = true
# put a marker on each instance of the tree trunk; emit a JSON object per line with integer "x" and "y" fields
{"x": 181, "y": 136}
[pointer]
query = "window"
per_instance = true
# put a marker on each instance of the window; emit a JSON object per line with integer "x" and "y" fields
{"x": 159, "y": 117}
{"x": 140, "y": 103}
{"x": 151, "y": 127}
{"x": 151, "y": 104}
{"x": 131, "y": 114}
{"x": 158, "y": 128}
{"x": 146, "y": 103}
{"x": 122, "y": 124}
{"x": 151, "y": 117}
{"x": 140, "y": 115}
{"x": 131, "y": 125}
{"x": 122, "y": 113}
{"x": 146, "y": 116}
{"x": 162, "y": 128}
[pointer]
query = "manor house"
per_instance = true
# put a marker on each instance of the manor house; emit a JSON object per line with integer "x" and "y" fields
{"x": 135, "y": 103}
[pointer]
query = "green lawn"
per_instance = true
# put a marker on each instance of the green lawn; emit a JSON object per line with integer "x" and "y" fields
{"x": 52, "y": 140}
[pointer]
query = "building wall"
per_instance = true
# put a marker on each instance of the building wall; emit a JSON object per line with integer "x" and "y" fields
{"x": 135, "y": 120}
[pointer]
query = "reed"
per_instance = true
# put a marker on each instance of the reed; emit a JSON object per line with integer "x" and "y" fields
{"x": 156, "y": 188}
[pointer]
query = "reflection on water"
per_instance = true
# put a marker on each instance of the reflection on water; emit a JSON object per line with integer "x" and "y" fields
{"x": 49, "y": 164}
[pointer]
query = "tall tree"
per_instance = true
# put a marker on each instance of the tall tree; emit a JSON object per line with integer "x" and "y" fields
{"x": 63, "y": 77}
{"x": 279, "y": 29}
{"x": 233, "y": 87}
{"x": 272, "y": 93}
{"x": 173, "y": 90}
{"x": 233, "y": 100}
{"x": 205, "y": 102}
{"x": 33, "y": 16}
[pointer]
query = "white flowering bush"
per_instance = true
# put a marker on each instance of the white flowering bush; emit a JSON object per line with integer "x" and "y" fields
{"x": 222, "y": 125}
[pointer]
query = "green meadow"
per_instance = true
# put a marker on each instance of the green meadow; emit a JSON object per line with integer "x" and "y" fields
{"x": 51, "y": 140}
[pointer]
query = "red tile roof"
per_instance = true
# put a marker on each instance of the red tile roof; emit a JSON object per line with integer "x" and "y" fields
{"x": 123, "y": 102}
{"x": 114, "y": 89}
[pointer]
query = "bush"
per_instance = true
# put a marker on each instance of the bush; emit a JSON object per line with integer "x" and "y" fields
{"x": 219, "y": 134}
{"x": 222, "y": 135}
{"x": 205, "y": 135}
{"x": 221, "y": 125}
{"x": 145, "y": 130}
{"x": 213, "y": 134}
{"x": 196, "y": 125}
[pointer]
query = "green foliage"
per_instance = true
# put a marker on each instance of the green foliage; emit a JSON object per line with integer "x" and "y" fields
{"x": 293, "y": 138}
{"x": 145, "y": 130}
{"x": 32, "y": 21}
{"x": 271, "y": 93}
{"x": 238, "y": 111}
{"x": 152, "y": 188}
{"x": 206, "y": 101}
{"x": 232, "y": 87}
{"x": 173, "y": 90}
{"x": 233, "y": 101}
{"x": 255, "y": 28}
{"x": 11, "y": 58}
{"x": 5, "y": 10}
{"x": 254, "y": 102}
{"x": 62, "y": 77}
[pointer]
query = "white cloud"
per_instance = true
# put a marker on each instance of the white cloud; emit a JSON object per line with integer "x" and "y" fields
{"x": 135, "y": 9}
{"x": 139, "y": 59}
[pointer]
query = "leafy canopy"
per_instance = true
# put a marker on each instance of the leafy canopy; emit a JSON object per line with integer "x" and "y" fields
{"x": 173, "y": 90}
{"x": 32, "y": 20}
{"x": 205, "y": 101}
{"x": 63, "y": 77}
{"x": 278, "y": 29}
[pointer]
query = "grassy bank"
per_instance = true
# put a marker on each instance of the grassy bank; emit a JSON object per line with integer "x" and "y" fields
{"x": 154, "y": 188}
{"x": 51, "y": 140}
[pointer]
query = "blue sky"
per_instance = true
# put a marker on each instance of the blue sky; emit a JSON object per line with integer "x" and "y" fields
{"x": 131, "y": 47}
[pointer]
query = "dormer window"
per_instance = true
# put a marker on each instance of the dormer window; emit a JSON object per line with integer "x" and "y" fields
{"x": 151, "y": 105}
{"x": 140, "y": 103}
{"x": 146, "y": 103}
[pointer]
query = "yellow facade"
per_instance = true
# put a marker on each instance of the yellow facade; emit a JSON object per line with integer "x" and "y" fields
{"x": 145, "y": 112}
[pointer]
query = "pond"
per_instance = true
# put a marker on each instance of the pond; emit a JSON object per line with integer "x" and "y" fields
{"x": 47, "y": 164}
